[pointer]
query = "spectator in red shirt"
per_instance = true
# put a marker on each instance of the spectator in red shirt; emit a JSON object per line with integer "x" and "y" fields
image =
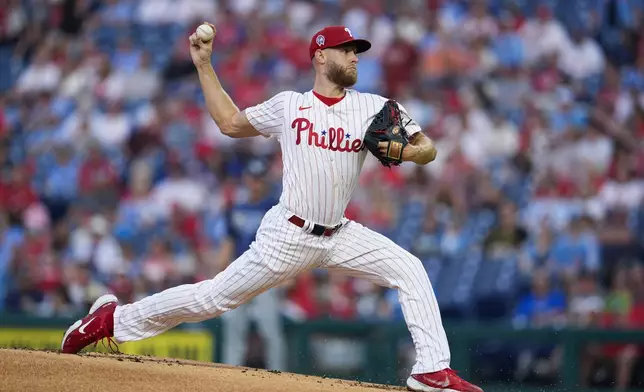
{"x": 158, "y": 267}
{"x": 122, "y": 286}
{"x": 17, "y": 194}
{"x": 301, "y": 302}
{"x": 336, "y": 297}
{"x": 98, "y": 180}
{"x": 399, "y": 65}
{"x": 185, "y": 225}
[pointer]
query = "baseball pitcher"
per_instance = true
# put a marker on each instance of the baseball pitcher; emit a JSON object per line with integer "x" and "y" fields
{"x": 325, "y": 135}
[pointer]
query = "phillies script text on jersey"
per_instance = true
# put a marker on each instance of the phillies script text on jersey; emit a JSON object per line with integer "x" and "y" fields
{"x": 336, "y": 137}
{"x": 322, "y": 147}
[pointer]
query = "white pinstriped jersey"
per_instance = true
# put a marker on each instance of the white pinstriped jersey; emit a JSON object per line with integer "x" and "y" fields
{"x": 322, "y": 148}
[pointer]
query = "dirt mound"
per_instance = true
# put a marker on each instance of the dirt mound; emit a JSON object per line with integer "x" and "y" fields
{"x": 28, "y": 370}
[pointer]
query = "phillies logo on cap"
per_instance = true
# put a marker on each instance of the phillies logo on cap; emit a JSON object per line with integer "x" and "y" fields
{"x": 320, "y": 40}
{"x": 334, "y": 36}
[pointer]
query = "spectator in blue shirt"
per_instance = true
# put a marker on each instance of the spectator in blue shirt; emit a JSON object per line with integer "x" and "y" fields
{"x": 569, "y": 114}
{"x": 10, "y": 239}
{"x": 428, "y": 242}
{"x": 575, "y": 250}
{"x": 544, "y": 306}
{"x": 453, "y": 240}
{"x": 117, "y": 12}
{"x": 508, "y": 46}
{"x": 61, "y": 182}
{"x": 127, "y": 57}
{"x": 370, "y": 71}
{"x": 633, "y": 77}
{"x": 536, "y": 254}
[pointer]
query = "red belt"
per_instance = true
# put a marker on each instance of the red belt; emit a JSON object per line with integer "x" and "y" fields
{"x": 318, "y": 230}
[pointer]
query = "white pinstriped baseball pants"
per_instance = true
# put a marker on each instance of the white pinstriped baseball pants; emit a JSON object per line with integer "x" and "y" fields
{"x": 280, "y": 252}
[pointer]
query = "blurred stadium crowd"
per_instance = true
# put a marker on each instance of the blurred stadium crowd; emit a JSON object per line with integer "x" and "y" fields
{"x": 115, "y": 178}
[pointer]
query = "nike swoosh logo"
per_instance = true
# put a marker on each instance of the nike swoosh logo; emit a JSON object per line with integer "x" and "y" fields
{"x": 442, "y": 384}
{"x": 82, "y": 327}
{"x": 305, "y": 107}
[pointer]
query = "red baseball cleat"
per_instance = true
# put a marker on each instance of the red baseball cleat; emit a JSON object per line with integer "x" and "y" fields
{"x": 98, "y": 324}
{"x": 444, "y": 380}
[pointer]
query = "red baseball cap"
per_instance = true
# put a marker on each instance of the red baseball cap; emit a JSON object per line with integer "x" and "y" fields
{"x": 332, "y": 36}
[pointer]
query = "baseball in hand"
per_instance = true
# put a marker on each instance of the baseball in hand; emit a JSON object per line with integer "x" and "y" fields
{"x": 205, "y": 33}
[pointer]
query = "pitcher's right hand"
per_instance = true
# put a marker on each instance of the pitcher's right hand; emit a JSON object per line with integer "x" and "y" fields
{"x": 201, "y": 52}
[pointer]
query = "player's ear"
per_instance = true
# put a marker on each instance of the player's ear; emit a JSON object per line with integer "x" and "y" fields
{"x": 320, "y": 56}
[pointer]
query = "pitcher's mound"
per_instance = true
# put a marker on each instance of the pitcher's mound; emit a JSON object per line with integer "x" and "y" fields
{"x": 27, "y": 370}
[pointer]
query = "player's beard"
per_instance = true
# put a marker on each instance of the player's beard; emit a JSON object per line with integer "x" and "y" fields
{"x": 341, "y": 76}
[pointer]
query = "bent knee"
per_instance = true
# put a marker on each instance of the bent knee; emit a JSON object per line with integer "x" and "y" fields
{"x": 412, "y": 270}
{"x": 416, "y": 264}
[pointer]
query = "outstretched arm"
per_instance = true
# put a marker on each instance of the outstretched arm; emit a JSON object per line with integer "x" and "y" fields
{"x": 420, "y": 150}
{"x": 230, "y": 120}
